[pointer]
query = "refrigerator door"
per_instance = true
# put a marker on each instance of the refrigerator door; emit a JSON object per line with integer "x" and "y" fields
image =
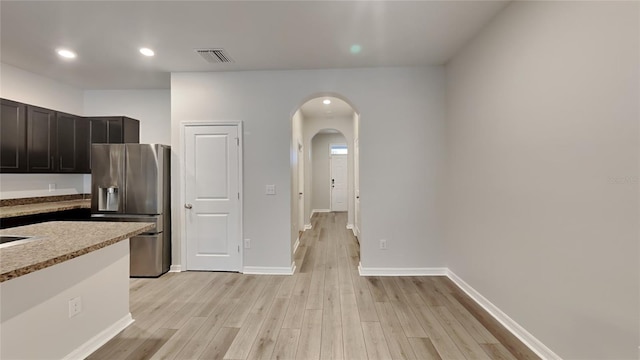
{"x": 107, "y": 178}
{"x": 144, "y": 192}
{"x": 149, "y": 256}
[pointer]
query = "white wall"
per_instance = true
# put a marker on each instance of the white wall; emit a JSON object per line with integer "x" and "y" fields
{"x": 542, "y": 137}
{"x": 23, "y": 86}
{"x": 15, "y": 186}
{"x": 320, "y": 169}
{"x": 151, "y": 107}
{"x": 403, "y": 106}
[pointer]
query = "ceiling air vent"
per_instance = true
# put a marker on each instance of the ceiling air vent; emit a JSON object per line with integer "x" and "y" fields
{"x": 215, "y": 56}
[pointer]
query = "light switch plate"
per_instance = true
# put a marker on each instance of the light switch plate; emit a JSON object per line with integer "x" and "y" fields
{"x": 270, "y": 189}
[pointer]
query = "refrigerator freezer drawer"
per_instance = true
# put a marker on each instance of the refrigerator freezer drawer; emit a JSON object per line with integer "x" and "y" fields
{"x": 149, "y": 257}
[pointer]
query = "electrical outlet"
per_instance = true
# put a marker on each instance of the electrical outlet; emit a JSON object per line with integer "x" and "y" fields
{"x": 383, "y": 244}
{"x": 52, "y": 187}
{"x": 75, "y": 306}
{"x": 270, "y": 189}
{"x": 247, "y": 243}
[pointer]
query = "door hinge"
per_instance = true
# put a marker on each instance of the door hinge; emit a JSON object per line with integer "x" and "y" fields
{"x": 238, "y": 196}
{"x": 238, "y": 248}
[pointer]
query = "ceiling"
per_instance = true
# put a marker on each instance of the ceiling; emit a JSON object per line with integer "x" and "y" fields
{"x": 258, "y": 35}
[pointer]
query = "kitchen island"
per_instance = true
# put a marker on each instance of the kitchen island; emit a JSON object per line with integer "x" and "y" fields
{"x": 66, "y": 291}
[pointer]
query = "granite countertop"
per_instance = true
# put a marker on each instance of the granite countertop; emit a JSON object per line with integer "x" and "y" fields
{"x": 59, "y": 241}
{"x": 41, "y": 208}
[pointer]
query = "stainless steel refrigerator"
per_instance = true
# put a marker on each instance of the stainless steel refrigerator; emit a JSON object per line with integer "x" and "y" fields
{"x": 131, "y": 182}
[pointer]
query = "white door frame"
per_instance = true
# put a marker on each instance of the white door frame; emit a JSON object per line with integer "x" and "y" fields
{"x": 183, "y": 186}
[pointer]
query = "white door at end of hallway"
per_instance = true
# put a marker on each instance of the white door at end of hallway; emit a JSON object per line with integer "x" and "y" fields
{"x": 212, "y": 197}
{"x": 338, "y": 182}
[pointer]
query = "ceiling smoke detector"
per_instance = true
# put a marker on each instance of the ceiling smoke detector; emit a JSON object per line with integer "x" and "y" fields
{"x": 215, "y": 56}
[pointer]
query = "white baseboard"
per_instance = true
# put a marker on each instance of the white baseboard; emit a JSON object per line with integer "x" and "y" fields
{"x": 295, "y": 246}
{"x": 352, "y": 228}
{"x": 97, "y": 341}
{"x": 175, "y": 268}
{"x": 307, "y": 227}
{"x": 523, "y": 335}
{"x": 401, "y": 271}
{"x": 320, "y": 211}
{"x": 270, "y": 270}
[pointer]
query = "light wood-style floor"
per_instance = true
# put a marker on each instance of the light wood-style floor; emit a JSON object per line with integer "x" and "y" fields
{"x": 324, "y": 311}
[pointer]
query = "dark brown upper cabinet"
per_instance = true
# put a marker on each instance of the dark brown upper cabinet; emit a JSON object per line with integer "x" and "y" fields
{"x": 41, "y": 140}
{"x": 13, "y": 137}
{"x": 114, "y": 130}
{"x": 73, "y": 144}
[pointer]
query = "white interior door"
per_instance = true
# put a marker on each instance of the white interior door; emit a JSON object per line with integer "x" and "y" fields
{"x": 356, "y": 184}
{"x": 300, "y": 187}
{"x": 338, "y": 182}
{"x": 212, "y": 197}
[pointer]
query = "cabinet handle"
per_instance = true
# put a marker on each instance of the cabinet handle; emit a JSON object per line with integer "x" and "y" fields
{"x": 52, "y": 162}
{"x": 60, "y": 163}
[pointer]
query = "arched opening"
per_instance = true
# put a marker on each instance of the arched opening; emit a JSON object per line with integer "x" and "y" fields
{"x": 324, "y": 163}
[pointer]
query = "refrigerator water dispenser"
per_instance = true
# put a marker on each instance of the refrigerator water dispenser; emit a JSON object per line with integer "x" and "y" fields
{"x": 108, "y": 199}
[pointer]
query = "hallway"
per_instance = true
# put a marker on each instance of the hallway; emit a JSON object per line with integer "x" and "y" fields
{"x": 325, "y": 311}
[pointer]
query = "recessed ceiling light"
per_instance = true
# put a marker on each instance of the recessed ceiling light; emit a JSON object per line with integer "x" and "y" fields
{"x": 65, "y": 53}
{"x": 147, "y": 52}
{"x": 326, "y": 101}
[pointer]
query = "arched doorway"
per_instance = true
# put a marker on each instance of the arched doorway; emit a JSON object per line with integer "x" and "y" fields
{"x": 331, "y": 120}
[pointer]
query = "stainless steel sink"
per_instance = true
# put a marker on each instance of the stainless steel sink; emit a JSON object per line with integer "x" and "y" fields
{"x": 11, "y": 240}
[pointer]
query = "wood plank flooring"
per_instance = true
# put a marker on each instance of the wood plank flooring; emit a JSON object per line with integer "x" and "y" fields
{"x": 324, "y": 311}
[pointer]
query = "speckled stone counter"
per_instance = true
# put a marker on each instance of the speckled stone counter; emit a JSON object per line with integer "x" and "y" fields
{"x": 60, "y": 241}
{"x": 41, "y": 208}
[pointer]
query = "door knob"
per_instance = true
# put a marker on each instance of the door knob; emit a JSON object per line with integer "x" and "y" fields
{"x": 188, "y": 206}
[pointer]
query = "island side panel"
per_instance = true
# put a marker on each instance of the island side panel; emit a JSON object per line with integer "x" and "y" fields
{"x": 34, "y": 317}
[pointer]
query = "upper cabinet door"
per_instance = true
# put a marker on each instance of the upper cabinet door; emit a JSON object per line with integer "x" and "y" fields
{"x": 106, "y": 130}
{"x": 131, "y": 131}
{"x": 13, "y": 137}
{"x": 41, "y": 139}
{"x": 72, "y": 137}
{"x": 99, "y": 131}
{"x": 115, "y": 131}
